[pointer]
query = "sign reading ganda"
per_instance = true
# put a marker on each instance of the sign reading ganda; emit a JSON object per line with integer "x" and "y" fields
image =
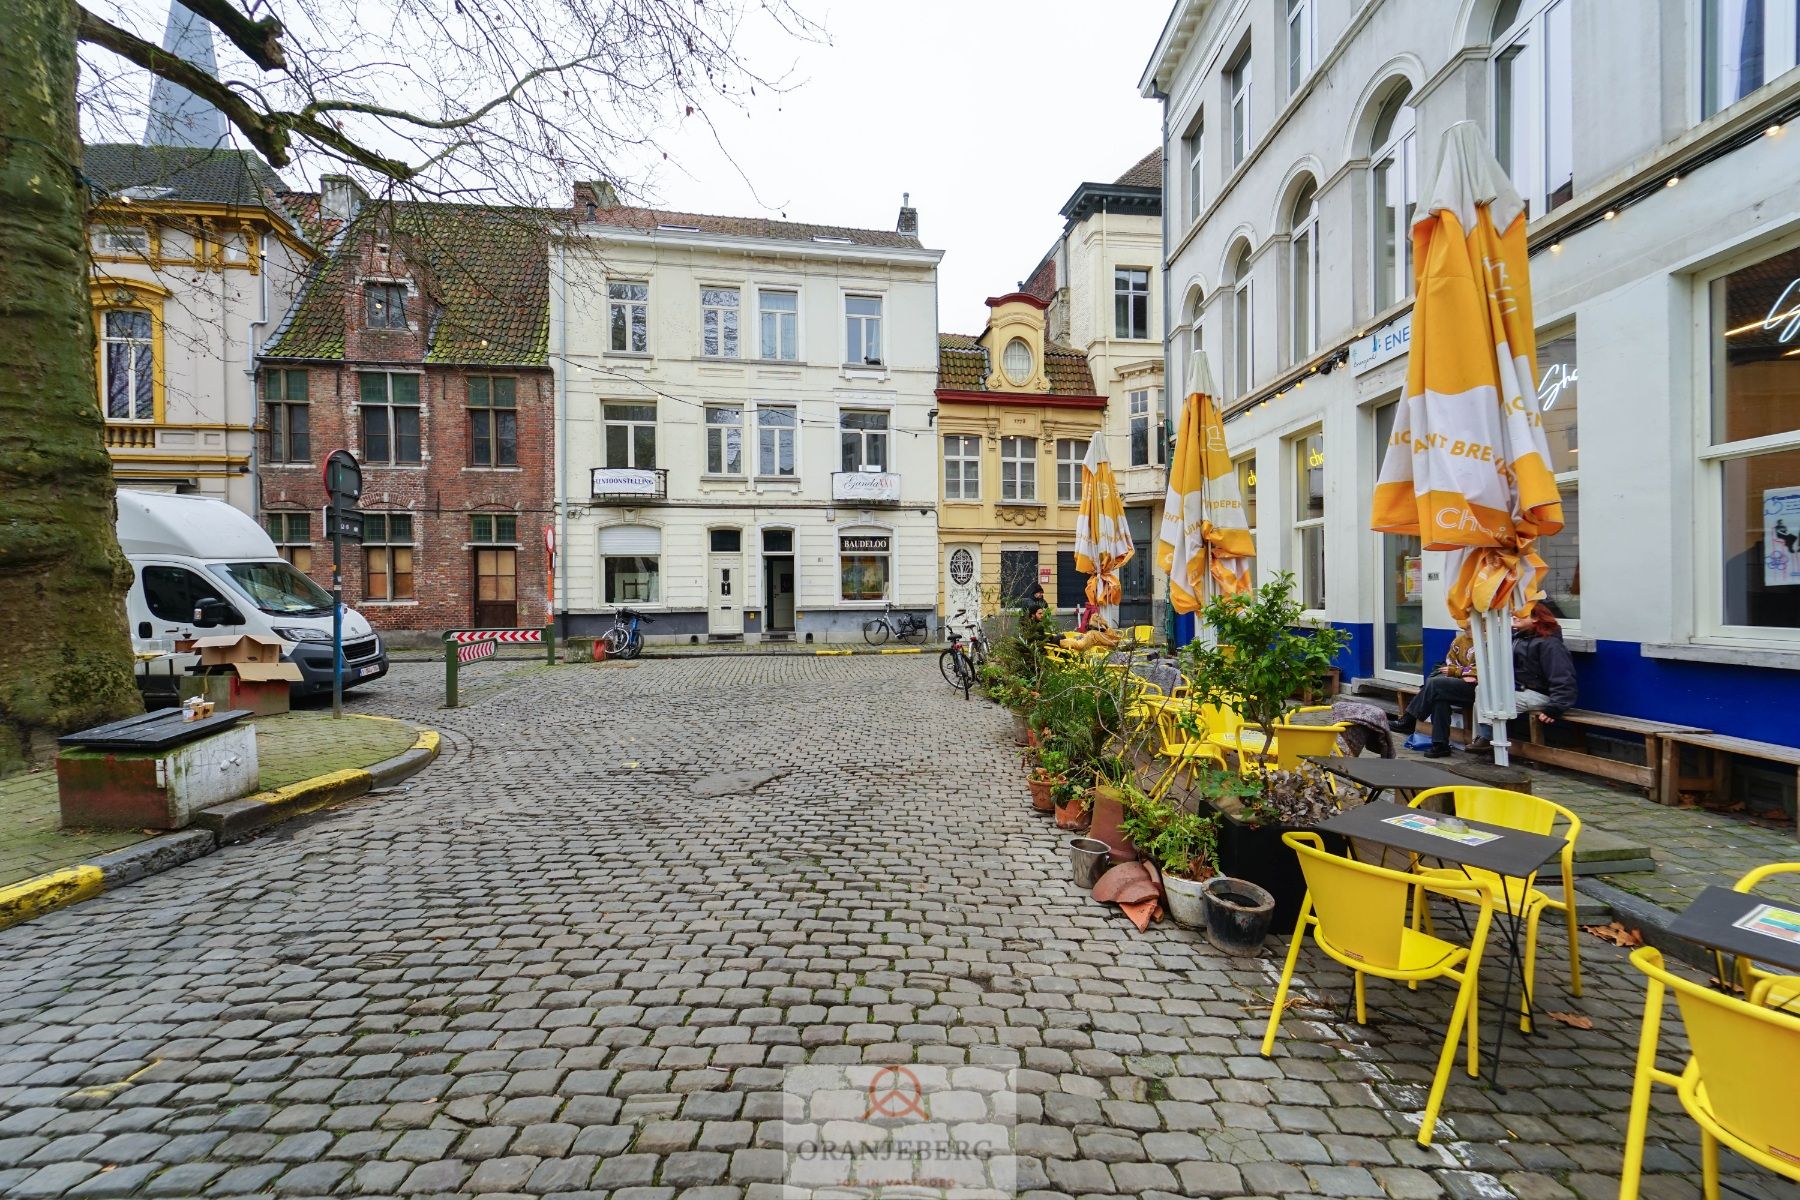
{"x": 1389, "y": 342}
{"x": 869, "y": 487}
{"x": 1781, "y": 537}
{"x": 623, "y": 481}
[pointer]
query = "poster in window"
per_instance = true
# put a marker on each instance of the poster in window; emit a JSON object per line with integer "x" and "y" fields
{"x": 1781, "y": 537}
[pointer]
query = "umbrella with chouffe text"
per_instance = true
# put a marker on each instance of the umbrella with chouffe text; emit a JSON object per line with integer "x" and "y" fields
{"x": 1102, "y": 541}
{"x": 1467, "y": 468}
{"x": 1204, "y": 541}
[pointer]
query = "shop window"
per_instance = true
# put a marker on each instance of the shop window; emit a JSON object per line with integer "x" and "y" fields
{"x": 631, "y": 564}
{"x": 864, "y": 565}
{"x": 1557, "y": 394}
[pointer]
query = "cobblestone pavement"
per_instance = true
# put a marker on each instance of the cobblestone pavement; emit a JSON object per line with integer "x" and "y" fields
{"x": 575, "y": 954}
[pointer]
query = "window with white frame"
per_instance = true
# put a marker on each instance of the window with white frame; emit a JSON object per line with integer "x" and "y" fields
{"x": 778, "y": 324}
{"x": 1194, "y": 147}
{"x": 1243, "y": 326}
{"x": 1745, "y": 44}
{"x": 126, "y": 240}
{"x": 724, "y": 439}
{"x": 1131, "y": 302}
{"x": 1146, "y": 427}
{"x": 628, "y": 316}
{"x": 865, "y": 564}
{"x": 1395, "y": 180}
{"x": 128, "y": 370}
{"x": 1556, "y": 394}
{"x": 719, "y": 322}
{"x": 1304, "y": 248}
{"x": 631, "y": 564}
{"x": 863, "y": 439}
{"x": 1246, "y": 481}
{"x": 962, "y": 466}
{"x": 862, "y": 330}
{"x": 1069, "y": 453}
{"x": 1309, "y": 518}
{"x": 1533, "y": 85}
{"x": 776, "y": 429}
{"x": 1750, "y": 455}
{"x": 1301, "y": 42}
{"x": 1237, "y": 86}
{"x": 1018, "y": 469}
{"x": 629, "y": 431}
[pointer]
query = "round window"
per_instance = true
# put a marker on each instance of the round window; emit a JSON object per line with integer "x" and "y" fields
{"x": 962, "y": 567}
{"x": 1016, "y": 360}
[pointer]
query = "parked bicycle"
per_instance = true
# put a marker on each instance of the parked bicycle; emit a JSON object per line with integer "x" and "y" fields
{"x": 974, "y": 644}
{"x": 904, "y": 626}
{"x": 625, "y": 639}
{"x": 957, "y": 664}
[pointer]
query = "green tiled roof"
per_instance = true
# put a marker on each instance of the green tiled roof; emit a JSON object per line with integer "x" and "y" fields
{"x": 963, "y": 367}
{"x": 484, "y": 272}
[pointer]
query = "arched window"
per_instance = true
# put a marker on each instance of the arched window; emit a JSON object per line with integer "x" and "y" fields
{"x": 1533, "y": 84}
{"x": 1394, "y": 179}
{"x": 1304, "y": 315}
{"x": 1243, "y": 322}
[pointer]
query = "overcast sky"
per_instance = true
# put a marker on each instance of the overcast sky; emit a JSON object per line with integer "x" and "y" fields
{"x": 916, "y": 97}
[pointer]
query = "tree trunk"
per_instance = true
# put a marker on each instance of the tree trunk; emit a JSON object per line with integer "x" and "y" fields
{"x": 65, "y": 652}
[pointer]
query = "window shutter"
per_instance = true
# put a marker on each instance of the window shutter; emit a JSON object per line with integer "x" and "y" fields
{"x": 631, "y": 540}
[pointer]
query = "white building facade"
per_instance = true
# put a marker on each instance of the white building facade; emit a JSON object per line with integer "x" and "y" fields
{"x": 1653, "y": 142}
{"x": 745, "y": 447}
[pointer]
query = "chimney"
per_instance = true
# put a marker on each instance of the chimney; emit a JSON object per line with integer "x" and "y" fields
{"x": 592, "y": 195}
{"x": 909, "y": 216}
{"x": 340, "y": 197}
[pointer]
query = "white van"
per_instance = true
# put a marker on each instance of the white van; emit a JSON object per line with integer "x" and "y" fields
{"x": 191, "y": 553}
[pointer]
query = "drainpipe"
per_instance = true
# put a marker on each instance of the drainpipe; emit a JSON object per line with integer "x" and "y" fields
{"x": 1172, "y": 378}
{"x": 251, "y": 346}
{"x": 561, "y": 417}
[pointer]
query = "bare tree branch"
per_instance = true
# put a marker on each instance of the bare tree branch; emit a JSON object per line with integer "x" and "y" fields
{"x": 259, "y": 40}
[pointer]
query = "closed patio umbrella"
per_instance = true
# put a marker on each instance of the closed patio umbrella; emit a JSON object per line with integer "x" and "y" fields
{"x": 1102, "y": 541}
{"x": 1204, "y": 541}
{"x": 1467, "y": 468}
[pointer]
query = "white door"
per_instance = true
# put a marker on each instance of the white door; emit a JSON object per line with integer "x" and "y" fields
{"x": 962, "y": 583}
{"x": 725, "y": 588}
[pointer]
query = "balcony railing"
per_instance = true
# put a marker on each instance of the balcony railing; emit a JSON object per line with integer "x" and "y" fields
{"x": 130, "y": 437}
{"x": 627, "y": 485}
{"x": 865, "y": 487}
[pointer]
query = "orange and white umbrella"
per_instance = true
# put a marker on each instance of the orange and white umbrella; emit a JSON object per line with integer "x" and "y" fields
{"x": 1467, "y": 469}
{"x": 1102, "y": 541}
{"x": 1204, "y": 541}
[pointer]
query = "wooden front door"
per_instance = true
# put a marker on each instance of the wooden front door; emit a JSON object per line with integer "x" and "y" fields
{"x": 496, "y": 588}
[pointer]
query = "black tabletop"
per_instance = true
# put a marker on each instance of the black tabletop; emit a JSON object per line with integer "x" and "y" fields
{"x": 1712, "y": 920}
{"x": 1409, "y": 774}
{"x": 1510, "y": 852}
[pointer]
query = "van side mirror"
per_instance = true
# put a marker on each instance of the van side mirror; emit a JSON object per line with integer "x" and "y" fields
{"x": 213, "y": 611}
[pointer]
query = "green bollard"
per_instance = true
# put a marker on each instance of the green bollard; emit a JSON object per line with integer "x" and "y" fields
{"x": 449, "y": 671}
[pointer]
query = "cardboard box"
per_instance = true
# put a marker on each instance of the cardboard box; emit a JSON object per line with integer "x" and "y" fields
{"x": 230, "y": 689}
{"x": 250, "y": 655}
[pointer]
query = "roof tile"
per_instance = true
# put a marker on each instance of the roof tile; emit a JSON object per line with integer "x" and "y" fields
{"x": 646, "y": 220}
{"x": 963, "y": 367}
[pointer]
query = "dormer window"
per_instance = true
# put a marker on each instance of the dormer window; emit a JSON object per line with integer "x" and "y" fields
{"x": 386, "y": 305}
{"x": 1015, "y": 360}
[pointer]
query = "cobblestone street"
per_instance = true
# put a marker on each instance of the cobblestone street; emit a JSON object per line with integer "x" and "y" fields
{"x": 575, "y": 954}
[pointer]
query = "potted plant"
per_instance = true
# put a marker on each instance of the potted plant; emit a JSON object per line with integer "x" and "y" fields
{"x": 1184, "y": 847}
{"x": 1070, "y": 800}
{"x": 1112, "y": 789}
{"x": 1052, "y": 768}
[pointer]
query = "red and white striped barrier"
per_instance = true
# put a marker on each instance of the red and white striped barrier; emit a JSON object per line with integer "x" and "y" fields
{"x": 504, "y": 636}
{"x": 473, "y": 651}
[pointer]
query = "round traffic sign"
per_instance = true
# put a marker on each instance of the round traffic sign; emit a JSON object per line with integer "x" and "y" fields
{"x": 343, "y": 477}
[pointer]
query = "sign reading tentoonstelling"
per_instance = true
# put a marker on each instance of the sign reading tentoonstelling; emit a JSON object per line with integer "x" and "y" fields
{"x": 870, "y": 487}
{"x": 621, "y": 481}
{"x": 1382, "y": 345}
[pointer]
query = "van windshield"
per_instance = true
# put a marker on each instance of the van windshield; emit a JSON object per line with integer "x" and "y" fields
{"x": 277, "y": 588}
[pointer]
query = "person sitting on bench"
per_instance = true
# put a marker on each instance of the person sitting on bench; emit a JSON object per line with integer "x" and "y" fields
{"x": 1543, "y": 672}
{"x": 1452, "y": 686}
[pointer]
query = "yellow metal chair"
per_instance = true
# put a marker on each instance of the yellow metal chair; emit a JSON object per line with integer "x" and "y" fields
{"x": 1225, "y": 728}
{"x": 1531, "y": 814}
{"x": 1357, "y": 914}
{"x": 1748, "y": 974}
{"x": 1181, "y": 751}
{"x": 1738, "y": 1085}
{"x": 1143, "y": 635}
{"x": 1293, "y": 744}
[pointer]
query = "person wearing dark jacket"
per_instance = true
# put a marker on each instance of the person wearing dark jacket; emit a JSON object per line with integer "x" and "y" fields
{"x": 1451, "y": 686}
{"x": 1543, "y": 672}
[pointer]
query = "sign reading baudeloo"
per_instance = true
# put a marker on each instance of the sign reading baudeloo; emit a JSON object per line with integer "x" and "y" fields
{"x": 1389, "y": 342}
{"x": 868, "y": 487}
{"x": 624, "y": 481}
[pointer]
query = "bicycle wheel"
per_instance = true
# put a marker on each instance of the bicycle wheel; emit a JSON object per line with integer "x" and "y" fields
{"x": 634, "y": 644}
{"x": 614, "y": 640}
{"x": 978, "y": 652}
{"x": 949, "y": 666}
{"x": 965, "y": 674}
{"x": 875, "y": 631}
{"x": 915, "y": 632}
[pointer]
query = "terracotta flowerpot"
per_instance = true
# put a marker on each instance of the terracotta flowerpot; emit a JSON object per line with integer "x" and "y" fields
{"x": 1073, "y": 814}
{"x": 1040, "y": 793}
{"x": 1109, "y": 811}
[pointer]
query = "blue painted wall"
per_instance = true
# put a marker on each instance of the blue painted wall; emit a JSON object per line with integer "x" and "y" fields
{"x": 1357, "y": 659}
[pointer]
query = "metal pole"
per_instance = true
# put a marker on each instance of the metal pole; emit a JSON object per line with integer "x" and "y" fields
{"x": 337, "y": 611}
{"x": 449, "y": 671}
{"x": 550, "y": 643}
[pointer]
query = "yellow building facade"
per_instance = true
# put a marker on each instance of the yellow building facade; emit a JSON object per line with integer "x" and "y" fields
{"x": 1015, "y": 414}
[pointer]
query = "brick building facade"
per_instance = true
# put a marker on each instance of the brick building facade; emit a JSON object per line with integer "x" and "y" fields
{"x": 420, "y": 344}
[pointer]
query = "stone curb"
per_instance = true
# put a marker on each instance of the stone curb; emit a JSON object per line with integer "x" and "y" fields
{"x": 213, "y": 827}
{"x": 1647, "y": 919}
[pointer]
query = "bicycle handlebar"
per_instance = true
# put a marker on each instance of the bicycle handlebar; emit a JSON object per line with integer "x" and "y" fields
{"x": 621, "y": 613}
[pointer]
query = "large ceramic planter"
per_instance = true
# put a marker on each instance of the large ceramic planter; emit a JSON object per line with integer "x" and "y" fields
{"x": 1186, "y": 903}
{"x": 1074, "y": 813}
{"x": 1238, "y": 914}
{"x": 1040, "y": 793}
{"x": 1108, "y": 813}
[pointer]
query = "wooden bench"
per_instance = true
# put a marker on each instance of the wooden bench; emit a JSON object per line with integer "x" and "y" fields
{"x": 1656, "y": 735}
{"x": 1404, "y": 693}
{"x": 1720, "y": 748}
